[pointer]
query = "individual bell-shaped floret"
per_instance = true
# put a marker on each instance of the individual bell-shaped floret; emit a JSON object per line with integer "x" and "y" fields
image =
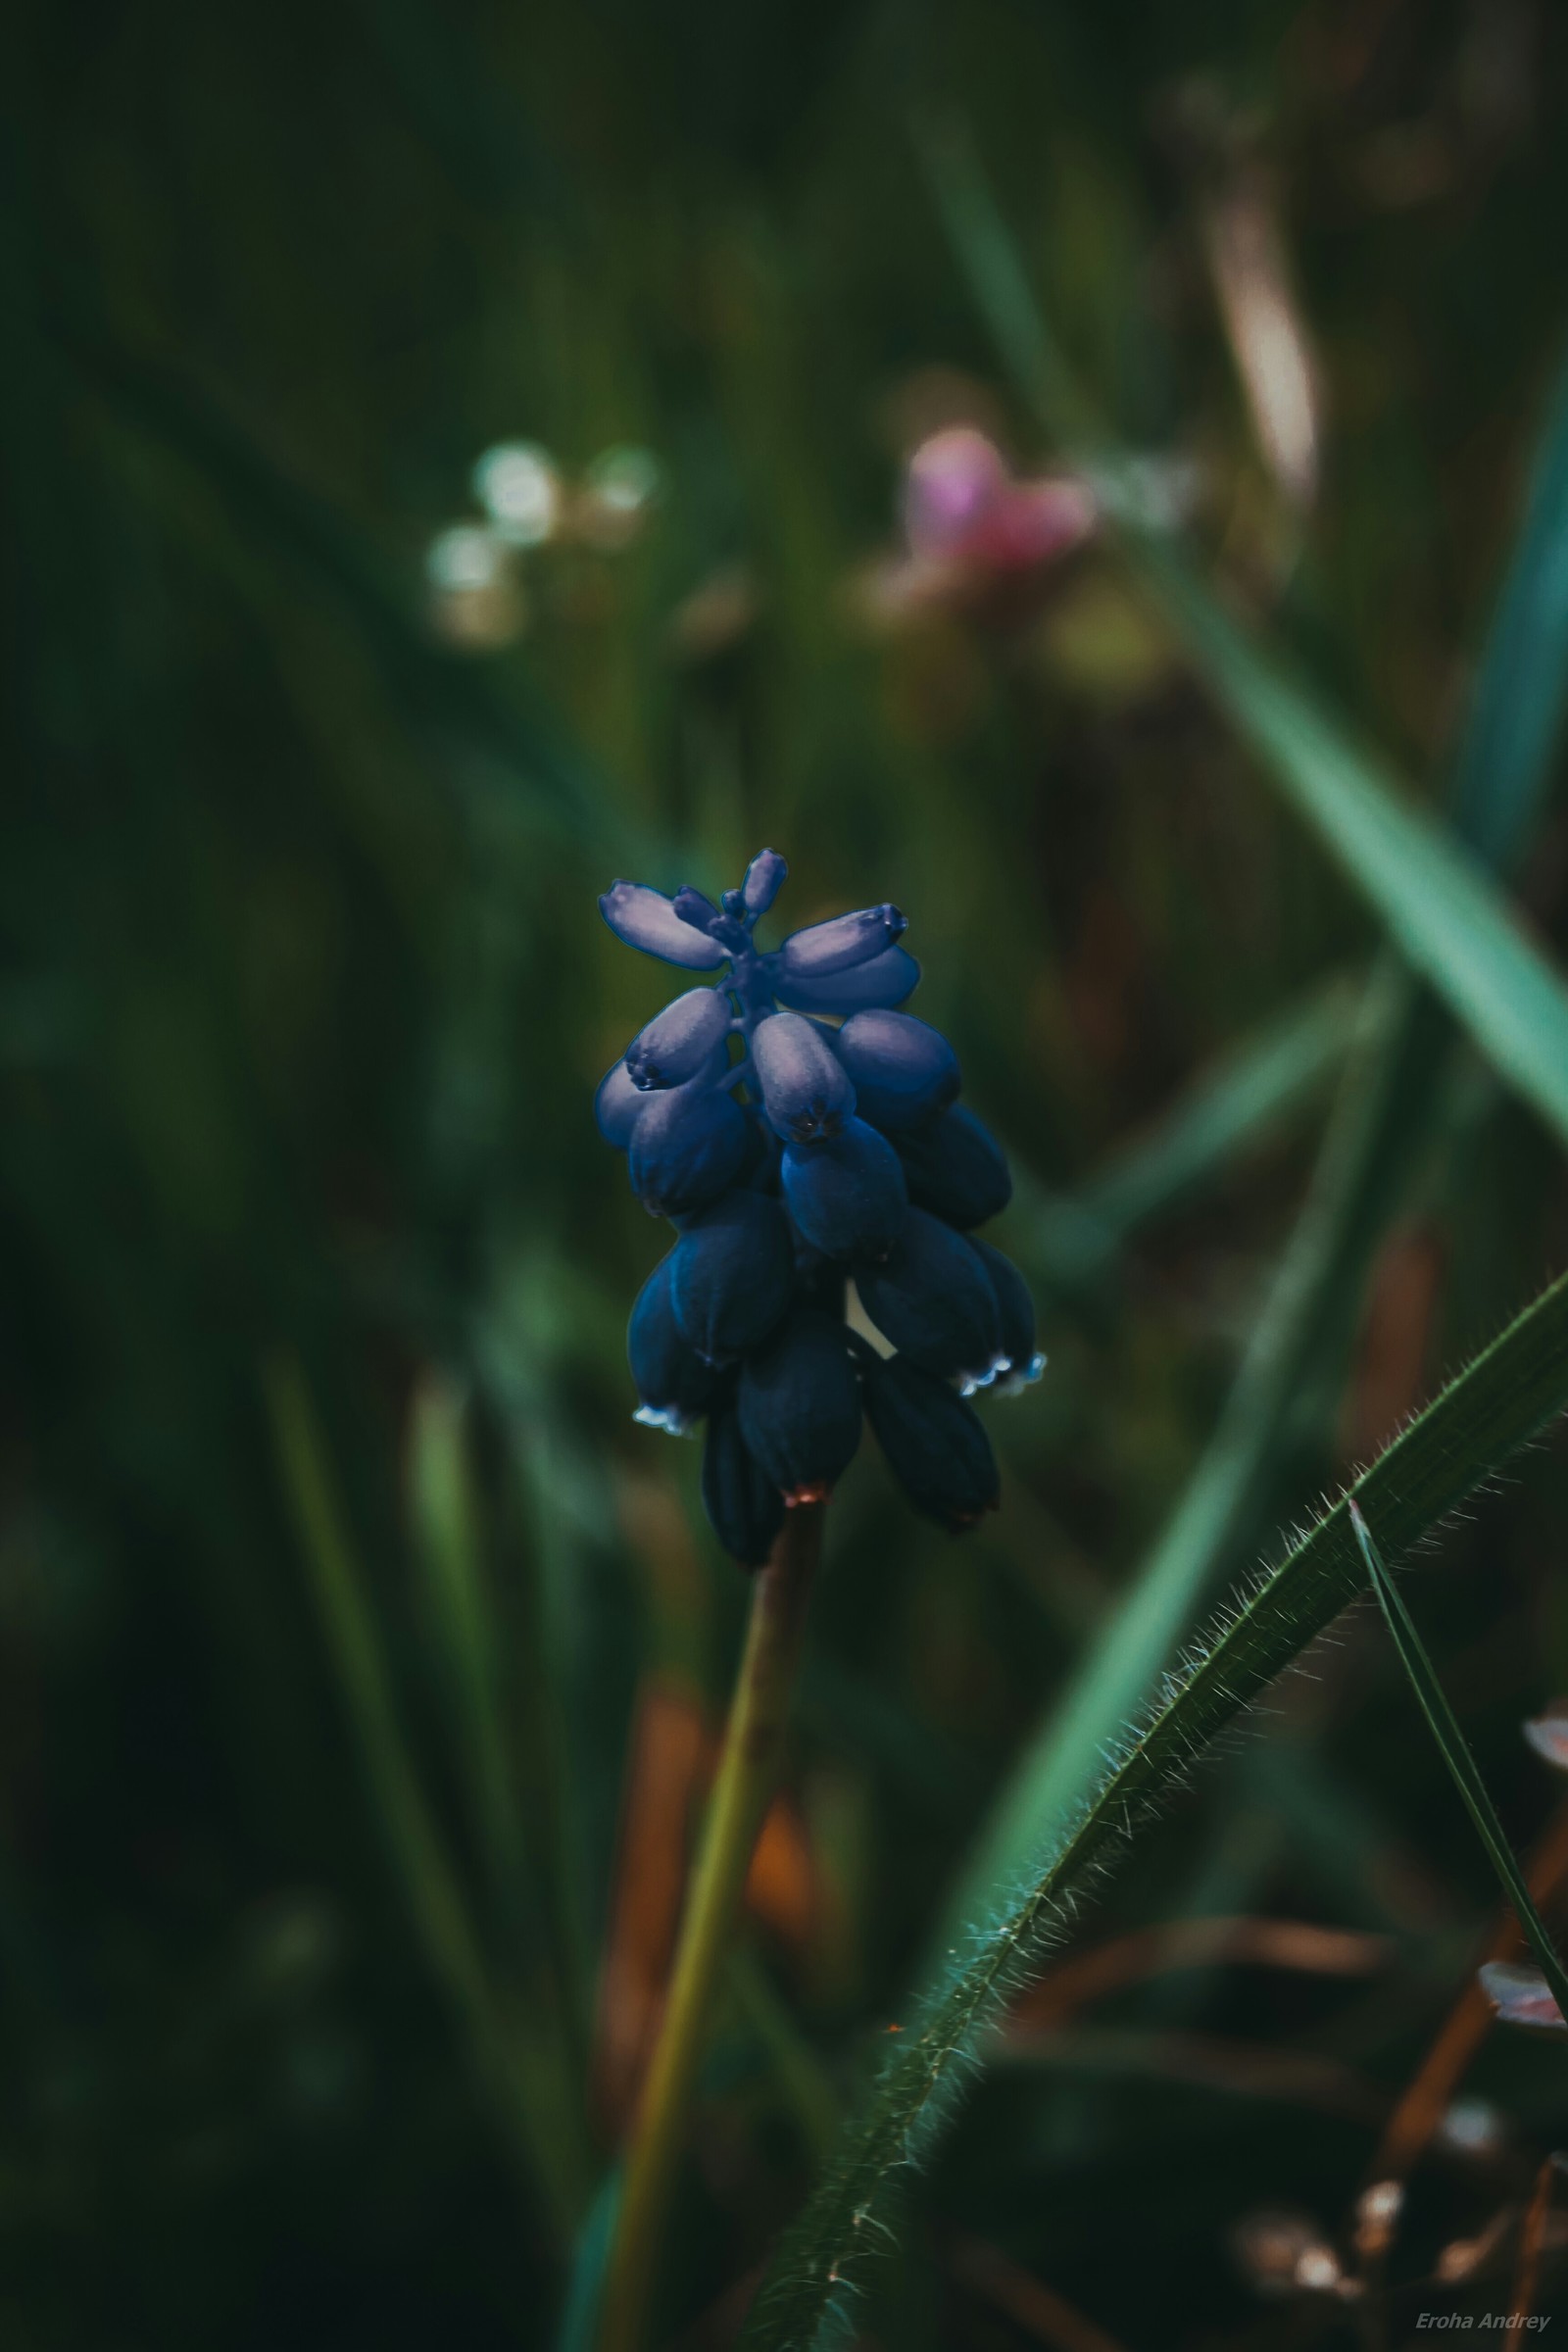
{"x": 618, "y": 1106}
{"x": 903, "y": 1070}
{"x": 933, "y": 1302}
{"x": 836, "y": 946}
{"x": 799, "y": 1402}
{"x": 933, "y": 1440}
{"x": 764, "y": 877}
{"x": 805, "y": 1089}
{"x": 847, "y": 1195}
{"x": 956, "y": 1168}
{"x": 686, "y": 1041}
{"x": 733, "y": 1269}
{"x": 885, "y": 979}
{"x": 645, "y": 918}
{"x": 688, "y": 1146}
{"x": 1016, "y": 1308}
{"x": 674, "y": 1383}
{"x": 743, "y": 1506}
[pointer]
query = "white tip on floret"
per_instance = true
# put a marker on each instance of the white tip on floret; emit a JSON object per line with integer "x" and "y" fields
{"x": 667, "y": 1417}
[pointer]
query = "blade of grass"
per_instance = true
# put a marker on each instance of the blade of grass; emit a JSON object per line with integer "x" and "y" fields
{"x": 1454, "y": 1751}
{"x": 1248, "y": 1093}
{"x": 1433, "y": 2086}
{"x": 1477, "y": 1423}
{"x": 803, "y": 2084}
{"x": 1432, "y": 894}
{"x": 445, "y": 1512}
{"x": 1451, "y": 923}
{"x": 1358, "y": 1187}
{"x": 545, "y": 2137}
{"x": 521, "y": 740}
{"x": 1306, "y": 1317}
{"x": 1244, "y": 1095}
{"x": 580, "y": 2320}
{"x": 1515, "y": 717}
{"x": 464, "y": 110}
{"x": 447, "y": 1522}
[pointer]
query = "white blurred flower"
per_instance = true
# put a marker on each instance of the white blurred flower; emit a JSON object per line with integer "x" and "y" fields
{"x": 1472, "y": 2127}
{"x": 475, "y": 599}
{"x": 520, "y": 489}
{"x": 465, "y": 558}
{"x": 620, "y": 487}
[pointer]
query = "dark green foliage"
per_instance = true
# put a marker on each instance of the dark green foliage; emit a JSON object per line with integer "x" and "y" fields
{"x": 336, "y": 1585}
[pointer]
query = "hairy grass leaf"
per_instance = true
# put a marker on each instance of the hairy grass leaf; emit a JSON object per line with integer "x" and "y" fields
{"x": 1477, "y": 1424}
{"x": 1454, "y": 1751}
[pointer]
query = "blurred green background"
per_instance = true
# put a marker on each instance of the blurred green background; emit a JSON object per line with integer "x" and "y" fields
{"x": 333, "y": 1575}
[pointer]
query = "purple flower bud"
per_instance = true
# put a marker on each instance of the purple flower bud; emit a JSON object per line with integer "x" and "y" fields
{"x": 745, "y": 1507}
{"x": 764, "y": 877}
{"x": 847, "y": 1195}
{"x": 837, "y": 945}
{"x": 682, "y": 1041}
{"x": 903, "y": 1069}
{"x": 798, "y": 1405}
{"x": 733, "y": 1268}
{"x": 956, "y": 1168}
{"x": 645, "y": 918}
{"x": 616, "y": 1105}
{"x": 887, "y": 979}
{"x": 805, "y": 1088}
{"x": 934, "y": 1443}
{"x": 688, "y": 1146}
{"x": 933, "y": 1300}
{"x": 671, "y": 1379}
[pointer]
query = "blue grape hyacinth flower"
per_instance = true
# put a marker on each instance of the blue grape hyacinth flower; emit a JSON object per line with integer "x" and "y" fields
{"x": 805, "y": 1138}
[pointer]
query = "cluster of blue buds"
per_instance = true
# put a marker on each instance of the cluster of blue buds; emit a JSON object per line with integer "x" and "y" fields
{"x": 805, "y": 1138}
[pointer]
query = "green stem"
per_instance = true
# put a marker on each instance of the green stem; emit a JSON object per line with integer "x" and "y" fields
{"x": 747, "y": 1772}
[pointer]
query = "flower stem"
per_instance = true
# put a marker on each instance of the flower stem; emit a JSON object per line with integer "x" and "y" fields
{"x": 746, "y": 1771}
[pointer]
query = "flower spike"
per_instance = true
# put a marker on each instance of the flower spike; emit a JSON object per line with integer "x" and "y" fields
{"x": 832, "y": 1148}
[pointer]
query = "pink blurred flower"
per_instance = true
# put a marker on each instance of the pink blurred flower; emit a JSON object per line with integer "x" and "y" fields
{"x": 1548, "y": 1734}
{"x": 1520, "y": 1994}
{"x": 975, "y": 535}
{"x": 962, "y": 507}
